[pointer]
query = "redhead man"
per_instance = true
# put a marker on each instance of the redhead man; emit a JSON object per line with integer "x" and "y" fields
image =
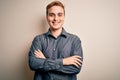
{"x": 56, "y": 54}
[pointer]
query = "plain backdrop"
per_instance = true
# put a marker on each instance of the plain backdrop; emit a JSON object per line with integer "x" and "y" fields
{"x": 96, "y": 22}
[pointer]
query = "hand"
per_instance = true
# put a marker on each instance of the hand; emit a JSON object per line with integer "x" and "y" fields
{"x": 39, "y": 54}
{"x": 73, "y": 60}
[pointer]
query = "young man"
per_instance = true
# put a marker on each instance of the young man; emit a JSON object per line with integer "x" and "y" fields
{"x": 56, "y": 55}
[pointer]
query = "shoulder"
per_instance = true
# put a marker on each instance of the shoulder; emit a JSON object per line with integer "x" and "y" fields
{"x": 73, "y": 36}
{"x": 40, "y": 36}
{"x": 74, "y": 39}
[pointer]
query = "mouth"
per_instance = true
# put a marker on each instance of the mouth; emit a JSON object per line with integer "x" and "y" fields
{"x": 55, "y": 23}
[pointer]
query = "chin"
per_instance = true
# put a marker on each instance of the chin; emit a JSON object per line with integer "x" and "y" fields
{"x": 56, "y": 28}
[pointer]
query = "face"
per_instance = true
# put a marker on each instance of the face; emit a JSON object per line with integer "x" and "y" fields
{"x": 55, "y": 17}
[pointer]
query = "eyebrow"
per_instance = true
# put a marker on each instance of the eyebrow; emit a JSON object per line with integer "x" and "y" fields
{"x": 53, "y": 13}
{"x": 57, "y": 13}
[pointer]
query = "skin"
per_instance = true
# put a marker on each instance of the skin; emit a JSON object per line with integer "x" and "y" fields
{"x": 55, "y": 18}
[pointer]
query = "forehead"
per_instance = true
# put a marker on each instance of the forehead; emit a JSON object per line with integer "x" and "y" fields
{"x": 56, "y": 9}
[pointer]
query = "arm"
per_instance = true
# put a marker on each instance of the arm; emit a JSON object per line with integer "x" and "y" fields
{"x": 76, "y": 65}
{"x": 72, "y": 64}
{"x": 67, "y": 62}
{"x": 41, "y": 64}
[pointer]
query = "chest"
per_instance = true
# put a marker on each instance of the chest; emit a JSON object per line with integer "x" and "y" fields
{"x": 57, "y": 48}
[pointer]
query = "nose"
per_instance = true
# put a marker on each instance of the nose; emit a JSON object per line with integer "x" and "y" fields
{"x": 55, "y": 18}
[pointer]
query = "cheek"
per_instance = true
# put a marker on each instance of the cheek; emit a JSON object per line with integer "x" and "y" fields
{"x": 62, "y": 18}
{"x": 49, "y": 19}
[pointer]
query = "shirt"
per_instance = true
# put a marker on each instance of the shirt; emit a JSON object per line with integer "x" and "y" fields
{"x": 55, "y": 49}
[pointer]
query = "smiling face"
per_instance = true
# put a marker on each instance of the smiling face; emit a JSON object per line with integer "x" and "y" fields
{"x": 55, "y": 17}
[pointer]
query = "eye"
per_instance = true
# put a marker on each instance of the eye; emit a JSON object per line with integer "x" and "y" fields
{"x": 60, "y": 14}
{"x": 51, "y": 14}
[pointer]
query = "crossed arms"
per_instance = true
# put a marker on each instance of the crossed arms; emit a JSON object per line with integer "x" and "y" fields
{"x": 69, "y": 65}
{"x": 73, "y": 60}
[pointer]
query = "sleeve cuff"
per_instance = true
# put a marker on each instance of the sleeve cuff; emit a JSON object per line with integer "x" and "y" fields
{"x": 52, "y": 64}
{"x": 59, "y": 63}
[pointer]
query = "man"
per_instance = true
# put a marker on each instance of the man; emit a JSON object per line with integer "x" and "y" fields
{"x": 56, "y": 55}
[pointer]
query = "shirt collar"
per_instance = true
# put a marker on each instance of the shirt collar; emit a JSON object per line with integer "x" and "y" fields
{"x": 64, "y": 33}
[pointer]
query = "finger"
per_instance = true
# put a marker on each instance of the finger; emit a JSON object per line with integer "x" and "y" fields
{"x": 37, "y": 56}
{"x": 76, "y": 65}
{"x": 77, "y": 62}
{"x": 76, "y": 56}
{"x": 39, "y": 51}
{"x": 80, "y": 61}
{"x": 36, "y": 51}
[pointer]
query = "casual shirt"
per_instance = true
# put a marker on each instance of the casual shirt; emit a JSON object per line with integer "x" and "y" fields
{"x": 55, "y": 49}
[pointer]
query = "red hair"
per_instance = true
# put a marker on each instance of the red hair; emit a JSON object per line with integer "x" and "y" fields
{"x": 55, "y": 3}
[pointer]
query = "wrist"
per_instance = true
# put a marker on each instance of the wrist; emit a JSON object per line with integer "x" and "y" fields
{"x": 64, "y": 61}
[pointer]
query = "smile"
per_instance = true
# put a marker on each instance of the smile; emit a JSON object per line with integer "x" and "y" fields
{"x": 55, "y": 23}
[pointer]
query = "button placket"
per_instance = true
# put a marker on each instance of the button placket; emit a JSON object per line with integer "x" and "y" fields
{"x": 55, "y": 43}
{"x": 54, "y": 49}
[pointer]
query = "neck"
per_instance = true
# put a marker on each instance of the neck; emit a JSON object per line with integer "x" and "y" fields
{"x": 56, "y": 32}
